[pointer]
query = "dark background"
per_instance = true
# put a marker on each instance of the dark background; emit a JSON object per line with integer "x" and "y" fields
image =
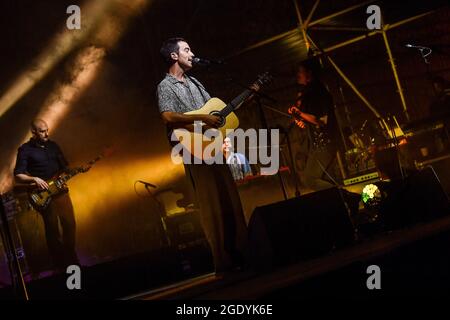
{"x": 117, "y": 107}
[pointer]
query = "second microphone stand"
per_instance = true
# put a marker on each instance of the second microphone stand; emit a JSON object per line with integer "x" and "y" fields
{"x": 261, "y": 107}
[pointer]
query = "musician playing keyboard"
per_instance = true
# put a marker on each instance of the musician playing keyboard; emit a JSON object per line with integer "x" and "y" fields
{"x": 237, "y": 162}
{"x": 221, "y": 212}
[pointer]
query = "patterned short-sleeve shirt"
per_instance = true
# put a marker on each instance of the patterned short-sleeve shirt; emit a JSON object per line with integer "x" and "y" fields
{"x": 178, "y": 96}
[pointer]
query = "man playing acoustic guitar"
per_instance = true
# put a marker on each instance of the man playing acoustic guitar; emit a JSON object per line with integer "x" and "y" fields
{"x": 221, "y": 213}
{"x": 38, "y": 160}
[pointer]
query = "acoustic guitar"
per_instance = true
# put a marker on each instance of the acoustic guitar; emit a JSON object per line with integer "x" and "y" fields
{"x": 196, "y": 142}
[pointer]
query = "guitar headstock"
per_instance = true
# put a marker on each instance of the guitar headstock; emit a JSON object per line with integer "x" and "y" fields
{"x": 107, "y": 151}
{"x": 263, "y": 78}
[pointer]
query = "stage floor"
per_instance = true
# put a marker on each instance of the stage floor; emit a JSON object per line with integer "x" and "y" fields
{"x": 421, "y": 251}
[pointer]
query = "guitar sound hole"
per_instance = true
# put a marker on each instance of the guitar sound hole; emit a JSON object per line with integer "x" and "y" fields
{"x": 222, "y": 118}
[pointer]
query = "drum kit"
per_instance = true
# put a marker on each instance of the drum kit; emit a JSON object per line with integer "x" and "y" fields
{"x": 360, "y": 157}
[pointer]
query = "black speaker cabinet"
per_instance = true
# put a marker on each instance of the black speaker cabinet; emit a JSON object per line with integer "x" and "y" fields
{"x": 299, "y": 228}
{"x": 418, "y": 198}
{"x": 442, "y": 169}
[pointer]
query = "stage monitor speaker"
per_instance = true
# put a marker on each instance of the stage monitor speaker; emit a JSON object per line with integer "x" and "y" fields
{"x": 299, "y": 228}
{"x": 442, "y": 169}
{"x": 418, "y": 198}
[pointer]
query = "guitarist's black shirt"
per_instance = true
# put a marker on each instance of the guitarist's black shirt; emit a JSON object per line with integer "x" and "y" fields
{"x": 43, "y": 161}
{"x": 316, "y": 100}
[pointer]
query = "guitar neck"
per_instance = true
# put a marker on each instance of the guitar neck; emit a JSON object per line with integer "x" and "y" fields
{"x": 67, "y": 176}
{"x": 74, "y": 172}
{"x": 236, "y": 102}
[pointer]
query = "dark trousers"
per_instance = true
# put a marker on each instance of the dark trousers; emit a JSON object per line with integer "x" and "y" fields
{"x": 319, "y": 160}
{"x": 61, "y": 245}
{"x": 221, "y": 214}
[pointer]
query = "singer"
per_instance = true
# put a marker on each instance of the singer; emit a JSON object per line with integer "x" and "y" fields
{"x": 221, "y": 212}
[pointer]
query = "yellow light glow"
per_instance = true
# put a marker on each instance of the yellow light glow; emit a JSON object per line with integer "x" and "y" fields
{"x": 59, "y": 101}
{"x": 109, "y": 32}
{"x": 103, "y": 21}
{"x": 6, "y": 177}
{"x": 110, "y": 183}
{"x": 56, "y": 50}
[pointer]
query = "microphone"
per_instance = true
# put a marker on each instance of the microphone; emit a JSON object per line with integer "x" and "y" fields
{"x": 147, "y": 184}
{"x": 205, "y": 62}
{"x": 408, "y": 45}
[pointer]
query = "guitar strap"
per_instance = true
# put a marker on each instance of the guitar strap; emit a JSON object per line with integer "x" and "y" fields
{"x": 199, "y": 87}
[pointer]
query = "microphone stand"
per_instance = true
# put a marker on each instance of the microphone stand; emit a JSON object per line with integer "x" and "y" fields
{"x": 269, "y": 142}
{"x": 162, "y": 215}
{"x": 396, "y": 146}
{"x": 424, "y": 56}
{"x": 294, "y": 169}
{"x": 263, "y": 120}
{"x": 347, "y": 114}
{"x": 286, "y": 137}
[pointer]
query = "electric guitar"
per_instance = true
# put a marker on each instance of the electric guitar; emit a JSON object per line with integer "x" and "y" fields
{"x": 194, "y": 142}
{"x": 319, "y": 137}
{"x": 40, "y": 198}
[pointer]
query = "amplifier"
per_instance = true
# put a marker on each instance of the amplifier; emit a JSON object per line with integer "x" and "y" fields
{"x": 10, "y": 236}
{"x": 183, "y": 229}
{"x": 362, "y": 178}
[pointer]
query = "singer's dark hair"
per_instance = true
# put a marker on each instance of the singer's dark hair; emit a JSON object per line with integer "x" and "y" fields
{"x": 169, "y": 46}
